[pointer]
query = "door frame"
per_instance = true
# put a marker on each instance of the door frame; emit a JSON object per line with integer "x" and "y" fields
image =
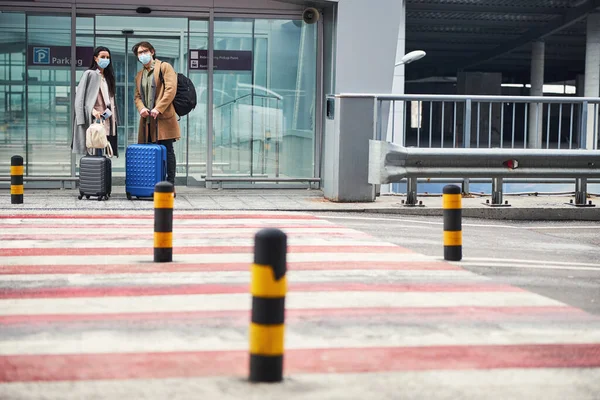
{"x": 127, "y": 101}
{"x": 319, "y": 101}
{"x": 211, "y": 15}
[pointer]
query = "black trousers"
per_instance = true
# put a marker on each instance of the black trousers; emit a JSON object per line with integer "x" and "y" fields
{"x": 171, "y": 162}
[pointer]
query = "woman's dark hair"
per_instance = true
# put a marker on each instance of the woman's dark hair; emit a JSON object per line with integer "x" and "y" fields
{"x": 146, "y": 45}
{"x": 109, "y": 74}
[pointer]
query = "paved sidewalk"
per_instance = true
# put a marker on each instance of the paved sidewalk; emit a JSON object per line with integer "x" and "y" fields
{"x": 191, "y": 198}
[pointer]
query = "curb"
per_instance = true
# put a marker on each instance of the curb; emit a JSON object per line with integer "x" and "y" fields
{"x": 516, "y": 214}
{"x": 508, "y": 213}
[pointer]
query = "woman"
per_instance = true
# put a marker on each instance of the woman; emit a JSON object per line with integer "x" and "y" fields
{"x": 95, "y": 99}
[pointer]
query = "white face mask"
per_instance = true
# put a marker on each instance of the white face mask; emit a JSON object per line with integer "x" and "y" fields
{"x": 145, "y": 58}
{"x": 103, "y": 62}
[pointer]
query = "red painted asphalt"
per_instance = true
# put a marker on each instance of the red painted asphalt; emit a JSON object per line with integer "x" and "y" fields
{"x": 28, "y": 368}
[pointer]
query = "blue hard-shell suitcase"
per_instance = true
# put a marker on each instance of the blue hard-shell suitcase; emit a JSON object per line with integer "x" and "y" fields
{"x": 145, "y": 166}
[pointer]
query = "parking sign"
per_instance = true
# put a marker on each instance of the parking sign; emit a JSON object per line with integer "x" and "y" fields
{"x": 41, "y": 55}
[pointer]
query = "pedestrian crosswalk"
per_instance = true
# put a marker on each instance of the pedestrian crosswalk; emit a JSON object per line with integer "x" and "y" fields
{"x": 81, "y": 301}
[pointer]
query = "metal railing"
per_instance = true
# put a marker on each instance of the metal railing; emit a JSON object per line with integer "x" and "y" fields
{"x": 461, "y": 121}
{"x": 233, "y": 132}
{"x": 390, "y": 163}
{"x": 475, "y": 121}
{"x": 61, "y": 179}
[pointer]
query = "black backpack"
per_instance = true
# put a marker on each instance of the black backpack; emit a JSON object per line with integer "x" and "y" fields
{"x": 185, "y": 98}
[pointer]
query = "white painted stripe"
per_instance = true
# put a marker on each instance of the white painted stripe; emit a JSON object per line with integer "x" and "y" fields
{"x": 294, "y": 300}
{"x": 149, "y": 229}
{"x": 237, "y": 277}
{"x": 212, "y": 258}
{"x": 10, "y": 212}
{"x": 388, "y": 219}
{"x": 496, "y": 384}
{"x": 528, "y": 266}
{"x": 564, "y": 227}
{"x": 300, "y": 335}
{"x": 421, "y": 223}
{"x": 176, "y": 222}
{"x": 534, "y": 262}
{"x": 187, "y": 242}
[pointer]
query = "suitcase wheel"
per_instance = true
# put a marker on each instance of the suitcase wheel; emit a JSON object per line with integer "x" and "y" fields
{"x": 128, "y": 196}
{"x": 87, "y": 196}
{"x": 80, "y": 197}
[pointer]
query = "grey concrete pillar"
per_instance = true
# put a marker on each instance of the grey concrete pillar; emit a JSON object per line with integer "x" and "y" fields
{"x": 346, "y": 167}
{"x": 579, "y": 85}
{"x": 536, "y": 114}
{"x": 478, "y": 83}
{"x": 592, "y": 73}
{"x": 360, "y": 61}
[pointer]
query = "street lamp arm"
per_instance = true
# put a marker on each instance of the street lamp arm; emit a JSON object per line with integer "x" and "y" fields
{"x": 410, "y": 57}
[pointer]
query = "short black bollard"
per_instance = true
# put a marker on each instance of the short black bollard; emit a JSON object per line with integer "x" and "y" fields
{"x": 16, "y": 180}
{"x": 163, "y": 221}
{"x": 268, "y": 287}
{"x": 452, "y": 205}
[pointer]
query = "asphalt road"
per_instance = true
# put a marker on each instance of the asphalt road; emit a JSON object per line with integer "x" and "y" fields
{"x": 560, "y": 260}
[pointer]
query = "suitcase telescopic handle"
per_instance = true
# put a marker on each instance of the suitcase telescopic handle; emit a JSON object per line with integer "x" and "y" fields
{"x": 148, "y": 137}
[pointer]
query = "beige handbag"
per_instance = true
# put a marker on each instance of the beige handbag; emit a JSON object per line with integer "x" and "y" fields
{"x": 95, "y": 138}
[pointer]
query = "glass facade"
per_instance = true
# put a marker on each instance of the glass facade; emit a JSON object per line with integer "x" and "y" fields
{"x": 264, "y": 91}
{"x": 13, "y": 106}
{"x": 264, "y": 115}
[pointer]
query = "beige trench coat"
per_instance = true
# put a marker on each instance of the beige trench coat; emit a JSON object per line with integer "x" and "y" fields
{"x": 168, "y": 126}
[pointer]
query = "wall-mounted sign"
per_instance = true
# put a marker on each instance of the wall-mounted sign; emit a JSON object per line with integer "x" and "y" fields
{"x": 224, "y": 60}
{"x": 59, "y": 56}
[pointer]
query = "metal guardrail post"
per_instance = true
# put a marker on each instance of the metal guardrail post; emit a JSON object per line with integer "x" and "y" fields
{"x": 581, "y": 194}
{"x": 498, "y": 192}
{"x": 411, "y": 192}
{"x": 497, "y": 184}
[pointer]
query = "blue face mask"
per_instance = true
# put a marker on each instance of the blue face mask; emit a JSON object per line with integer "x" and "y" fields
{"x": 145, "y": 58}
{"x": 103, "y": 62}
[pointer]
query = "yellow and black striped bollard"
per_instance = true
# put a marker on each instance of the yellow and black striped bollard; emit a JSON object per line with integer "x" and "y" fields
{"x": 452, "y": 204}
{"x": 16, "y": 180}
{"x": 268, "y": 287}
{"x": 163, "y": 221}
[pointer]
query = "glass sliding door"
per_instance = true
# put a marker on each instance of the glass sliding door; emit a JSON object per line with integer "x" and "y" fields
{"x": 13, "y": 107}
{"x": 264, "y": 98}
{"x": 48, "y": 95}
{"x": 232, "y": 97}
{"x": 197, "y": 120}
{"x": 261, "y": 108}
{"x": 120, "y": 34}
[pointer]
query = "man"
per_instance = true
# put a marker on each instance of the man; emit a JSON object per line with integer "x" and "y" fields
{"x": 154, "y": 100}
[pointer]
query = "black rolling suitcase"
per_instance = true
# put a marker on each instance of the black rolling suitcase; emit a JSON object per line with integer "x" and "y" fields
{"x": 95, "y": 177}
